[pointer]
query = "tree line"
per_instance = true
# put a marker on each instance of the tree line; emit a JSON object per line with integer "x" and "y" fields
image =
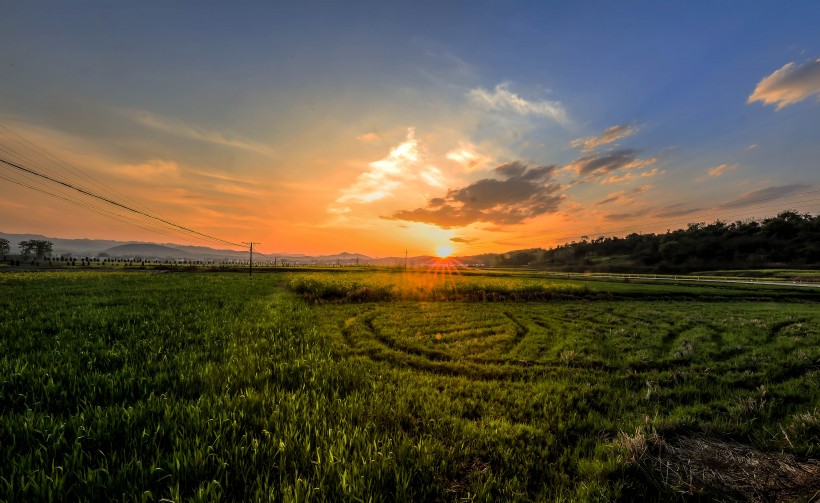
{"x": 33, "y": 248}
{"x": 789, "y": 239}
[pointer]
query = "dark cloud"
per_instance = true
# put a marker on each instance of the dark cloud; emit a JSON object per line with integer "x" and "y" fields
{"x": 614, "y": 217}
{"x": 463, "y": 240}
{"x": 610, "y": 199}
{"x": 522, "y": 192}
{"x": 676, "y": 210}
{"x": 601, "y": 164}
{"x": 766, "y": 194}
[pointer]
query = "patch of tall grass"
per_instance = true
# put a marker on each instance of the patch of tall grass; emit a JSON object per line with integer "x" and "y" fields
{"x": 430, "y": 285}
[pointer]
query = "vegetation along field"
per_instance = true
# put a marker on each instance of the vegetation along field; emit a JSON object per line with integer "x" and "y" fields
{"x": 405, "y": 386}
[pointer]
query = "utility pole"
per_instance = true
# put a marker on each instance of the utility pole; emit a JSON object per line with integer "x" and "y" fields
{"x": 405, "y": 260}
{"x": 250, "y": 263}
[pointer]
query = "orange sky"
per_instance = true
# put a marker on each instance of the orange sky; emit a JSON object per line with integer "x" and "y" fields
{"x": 322, "y": 131}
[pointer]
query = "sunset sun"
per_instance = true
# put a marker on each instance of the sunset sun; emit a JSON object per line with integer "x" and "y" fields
{"x": 444, "y": 251}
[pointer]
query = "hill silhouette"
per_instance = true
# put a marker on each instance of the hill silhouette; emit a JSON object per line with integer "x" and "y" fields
{"x": 788, "y": 240}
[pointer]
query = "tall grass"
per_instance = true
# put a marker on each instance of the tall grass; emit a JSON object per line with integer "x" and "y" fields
{"x": 212, "y": 387}
{"x": 430, "y": 285}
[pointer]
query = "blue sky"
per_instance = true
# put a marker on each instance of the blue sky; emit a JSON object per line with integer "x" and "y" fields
{"x": 367, "y": 126}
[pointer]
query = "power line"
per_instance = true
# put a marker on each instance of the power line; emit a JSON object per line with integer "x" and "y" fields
{"x": 28, "y": 154}
{"x": 58, "y": 162}
{"x": 110, "y": 201}
{"x": 147, "y": 225}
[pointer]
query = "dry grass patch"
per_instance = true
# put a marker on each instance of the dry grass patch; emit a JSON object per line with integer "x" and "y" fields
{"x": 698, "y": 464}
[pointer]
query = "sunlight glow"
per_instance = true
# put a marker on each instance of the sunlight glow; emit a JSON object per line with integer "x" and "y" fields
{"x": 444, "y": 251}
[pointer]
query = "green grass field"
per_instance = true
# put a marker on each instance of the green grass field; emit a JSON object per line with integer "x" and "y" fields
{"x": 390, "y": 386}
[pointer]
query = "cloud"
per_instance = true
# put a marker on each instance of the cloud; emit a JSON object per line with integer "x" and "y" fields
{"x": 611, "y": 198}
{"x": 179, "y": 128}
{"x": 368, "y": 137}
{"x": 676, "y": 210}
{"x": 386, "y": 176}
{"x": 522, "y": 192}
{"x": 601, "y": 164}
{"x": 719, "y": 170}
{"x": 458, "y": 239}
{"x": 610, "y": 135}
{"x": 630, "y": 176}
{"x": 614, "y": 217}
{"x": 766, "y": 194}
{"x": 623, "y": 195}
{"x": 467, "y": 156}
{"x": 150, "y": 169}
{"x": 789, "y": 85}
{"x": 503, "y": 100}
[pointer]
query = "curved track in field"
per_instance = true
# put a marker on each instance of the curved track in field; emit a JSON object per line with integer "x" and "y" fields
{"x": 442, "y": 342}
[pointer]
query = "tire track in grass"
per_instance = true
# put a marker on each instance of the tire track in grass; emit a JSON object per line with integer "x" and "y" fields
{"x": 521, "y": 332}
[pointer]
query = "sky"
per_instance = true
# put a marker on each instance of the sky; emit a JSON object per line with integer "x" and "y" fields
{"x": 379, "y": 127}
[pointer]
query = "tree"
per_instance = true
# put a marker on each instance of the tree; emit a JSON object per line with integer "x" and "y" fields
{"x": 5, "y": 248}
{"x": 39, "y": 248}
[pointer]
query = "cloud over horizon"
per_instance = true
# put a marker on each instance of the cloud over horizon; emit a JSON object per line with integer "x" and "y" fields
{"x": 623, "y": 195}
{"x": 522, "y": 192}
{"x": 501, "y": 99}
{"x": 610, "y": 135}
{"x": 790, "y": 84}
{"x": 765, "y": 194}
{"x": 595, "y": 165}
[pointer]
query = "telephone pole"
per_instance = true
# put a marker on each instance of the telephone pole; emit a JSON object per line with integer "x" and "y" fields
{"x": 250, "y": 262}
{"x": 405, "y": 260}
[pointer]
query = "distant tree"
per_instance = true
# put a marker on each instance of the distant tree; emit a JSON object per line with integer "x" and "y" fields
{"x": 37, "y": 248}
{"x": 5, "y": 248}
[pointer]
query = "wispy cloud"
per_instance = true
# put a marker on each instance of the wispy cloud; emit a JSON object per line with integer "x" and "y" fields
{"x": 150, "y": 169}
{"x": 385, "y": 177}
{"x": 790, "y": 84}
{"x": 185, "y": 130}
{"x": 459, "y": 239}
{"x": 368, "y": 137}
{"x": 615, "y": 217}
{"x": 610, "y": 135}
{"x": 630, "y": 176}
{"x": 720, "y": 170}
{"x": 522, "y": 192}
{"x": 602, "y": 164}
{"x": 468, "y": 157}
{"x": 676, "y": 210}
{"x": 501, "y": 99}
{"x": 766, "y": 194}
{"x": 623, "y": 195}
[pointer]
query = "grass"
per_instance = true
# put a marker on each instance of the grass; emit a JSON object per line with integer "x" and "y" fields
{"x": 389, "y": 386}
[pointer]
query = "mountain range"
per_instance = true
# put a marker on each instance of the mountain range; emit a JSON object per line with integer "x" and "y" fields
{"x": 171, "y": 251}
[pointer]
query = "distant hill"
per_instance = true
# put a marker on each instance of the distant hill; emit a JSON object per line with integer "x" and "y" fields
{"x": 343, "y": 257}
{"x": 77, "y": 247}
{"x": 789, "y": 240}
{"x": 136, "y": 249}
{"x": 146, "y": 250}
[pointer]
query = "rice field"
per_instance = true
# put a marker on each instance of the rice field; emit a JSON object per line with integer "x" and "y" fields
{"x": 390, "y": 386}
